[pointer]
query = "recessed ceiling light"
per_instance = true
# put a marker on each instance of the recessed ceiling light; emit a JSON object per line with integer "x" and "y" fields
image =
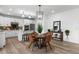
{"x": 21, "y": 11}
{"x": 53, "y": 11}
{"x": 0, "y": 10}
{"x": 10, "y": 9}
{"x": 8, "y": 13}
{"x": 29, "y": 16}
{"x": 23, "y": 15}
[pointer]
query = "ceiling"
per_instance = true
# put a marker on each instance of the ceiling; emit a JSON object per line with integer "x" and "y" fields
{"x": 30, "y": 10}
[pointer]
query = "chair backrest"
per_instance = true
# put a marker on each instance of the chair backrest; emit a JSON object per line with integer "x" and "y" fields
{"x": 32, "y": 36}
{"x": 48, "y": 36}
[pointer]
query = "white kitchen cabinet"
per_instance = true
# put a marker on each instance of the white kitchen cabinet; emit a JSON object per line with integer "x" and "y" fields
{"x": 11, "y": 33}
{"x": 2, "y": 39}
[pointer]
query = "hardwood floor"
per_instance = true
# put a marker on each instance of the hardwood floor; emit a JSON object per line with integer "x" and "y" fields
{"x": 13, "y": 46}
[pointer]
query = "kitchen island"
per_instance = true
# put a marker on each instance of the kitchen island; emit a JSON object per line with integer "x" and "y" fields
{"x": 16, "y": 33}
{"x": 11, "y": 33}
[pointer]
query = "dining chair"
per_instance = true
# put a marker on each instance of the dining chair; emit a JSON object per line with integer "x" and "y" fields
{"x": 32, "y": 39}
{"x": 47, "y": 40}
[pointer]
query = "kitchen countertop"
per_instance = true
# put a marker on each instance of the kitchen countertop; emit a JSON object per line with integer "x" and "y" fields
{"x": 15, "y": 33}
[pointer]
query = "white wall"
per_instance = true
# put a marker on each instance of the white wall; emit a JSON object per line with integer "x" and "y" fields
{"x": 28, "y": 22}
{"x": 69, "y": 20}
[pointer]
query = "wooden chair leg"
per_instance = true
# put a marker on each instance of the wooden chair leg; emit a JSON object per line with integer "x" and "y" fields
{"x": 30, "y": 44}
{"x": 33, "y": 46}
{"x": 46, "y": 47}
{"x": 50, "y": 45}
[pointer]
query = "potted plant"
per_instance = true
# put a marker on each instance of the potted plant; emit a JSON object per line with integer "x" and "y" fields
{"x": 40, "y": 28}
{"x": 67, "y": 32}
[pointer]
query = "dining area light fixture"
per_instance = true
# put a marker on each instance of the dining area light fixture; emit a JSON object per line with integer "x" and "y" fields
{"x": 39, "y": 13}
